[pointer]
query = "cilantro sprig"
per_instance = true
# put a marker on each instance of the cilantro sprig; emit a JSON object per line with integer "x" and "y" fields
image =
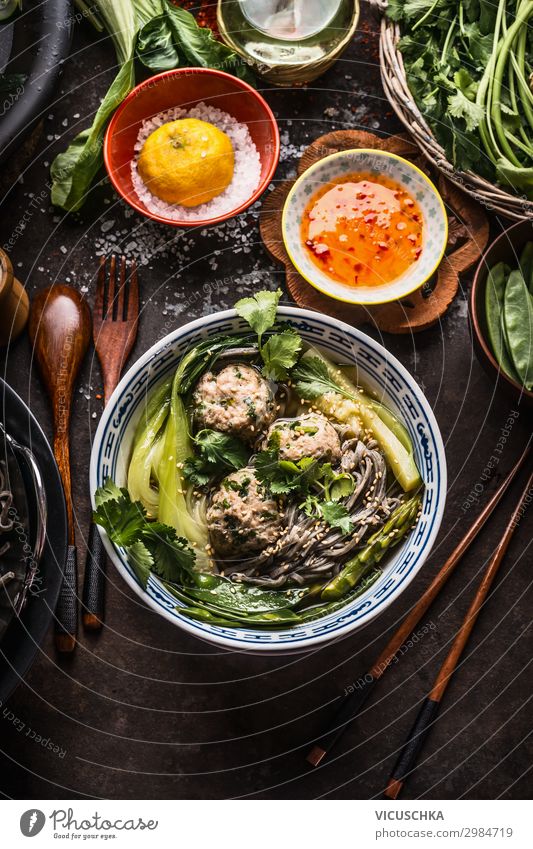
{"x": 218, "y": 453}
{"x": 318, "y": 486}
{"x": 150, "y": 546}
{"x": 281, "y": 350}
{"x": 312, "y": 380}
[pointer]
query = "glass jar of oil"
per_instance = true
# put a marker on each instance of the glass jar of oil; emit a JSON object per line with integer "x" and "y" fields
{"x": 288, "y": 42}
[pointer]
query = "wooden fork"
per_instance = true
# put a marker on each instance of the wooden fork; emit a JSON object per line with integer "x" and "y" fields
{"x": 115, "y": 322}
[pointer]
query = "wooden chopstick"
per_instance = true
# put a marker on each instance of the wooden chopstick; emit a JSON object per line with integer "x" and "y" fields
{"x": 352, "y": 704}
{"x": 430, "y": 706}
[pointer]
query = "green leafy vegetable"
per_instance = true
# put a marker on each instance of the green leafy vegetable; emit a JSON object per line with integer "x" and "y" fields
{"x": 313, "y": 379}
{"x": 280, "y": 351}
{"x": 318, "y": 379}
{"x": 199, "y": 46}
{"x": 259, "y": 311}
{"x": 162, "y": 37}
{"x": 468, "y": 67}
{"x": 151, "y": 546}
{"x": 155, "y": 46}
{"x": 331, "y": 512}
{"x": 217, "y": 453}
{"x": 285, "y": 476}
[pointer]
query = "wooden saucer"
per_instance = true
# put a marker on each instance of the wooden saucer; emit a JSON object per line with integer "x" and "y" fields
{"x": 468, "y": 236}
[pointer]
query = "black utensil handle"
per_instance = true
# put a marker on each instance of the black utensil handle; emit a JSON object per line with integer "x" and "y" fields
{"x": 67, "y": 604}
{"x": 94, "y": 579}
{"x": 409, "y": 754}
{"x": 348, "y": 709}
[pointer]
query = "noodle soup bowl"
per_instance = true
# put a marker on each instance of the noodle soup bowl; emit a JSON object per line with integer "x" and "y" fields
{"x": 382, "y": 375}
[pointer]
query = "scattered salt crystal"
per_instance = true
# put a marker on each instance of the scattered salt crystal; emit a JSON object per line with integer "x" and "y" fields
{"x": 63, "y": 249}
{"x": 107, "y": 225}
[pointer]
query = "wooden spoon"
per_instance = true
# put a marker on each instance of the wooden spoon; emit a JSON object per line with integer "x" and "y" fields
{"x": 60, "y": 329}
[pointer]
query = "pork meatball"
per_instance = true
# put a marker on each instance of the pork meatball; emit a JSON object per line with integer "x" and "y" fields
{"x": 311, "y": 435}
{"x": 236, "y": 400}
{"x": 242, "y": 517}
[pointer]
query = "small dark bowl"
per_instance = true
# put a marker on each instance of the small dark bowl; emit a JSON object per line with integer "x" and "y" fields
{"x": 506, "y": 248}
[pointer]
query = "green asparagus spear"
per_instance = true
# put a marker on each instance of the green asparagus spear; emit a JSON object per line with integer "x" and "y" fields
{"x": 396, "y": 527}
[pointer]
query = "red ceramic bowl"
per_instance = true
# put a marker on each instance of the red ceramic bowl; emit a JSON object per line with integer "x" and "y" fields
{"x": 186, "y": 87}
{"x": 506, "y": 248}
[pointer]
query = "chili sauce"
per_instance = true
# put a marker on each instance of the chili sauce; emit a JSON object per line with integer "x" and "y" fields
{"x": 363, "y": 230}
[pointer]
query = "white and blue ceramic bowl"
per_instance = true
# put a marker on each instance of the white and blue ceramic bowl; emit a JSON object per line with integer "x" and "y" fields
{"x": 376, "y": 163}
{"x": 380, "y": 372}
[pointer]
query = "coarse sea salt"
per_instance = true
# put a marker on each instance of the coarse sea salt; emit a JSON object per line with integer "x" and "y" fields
{"x": 246, "y": 175}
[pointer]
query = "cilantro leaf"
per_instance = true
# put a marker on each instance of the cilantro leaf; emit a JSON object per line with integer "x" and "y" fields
{"x": 122, "y": 518}
{"x": 331, "y": 512}
{"x": 280, "y": 353}
{"x": 459, "y": 106}
{"x": 336, "y": 515}
{"x": 285, "y": 476}
{"x": 171, "y": 555}
{"x": 108, "y": 492}
{"x": 313, "y": 380}
{"x": 259, "y": 311}
{"x": 141, "y": 561}
{"x": 150, "y": 546}
{"x": 217, "y": 453}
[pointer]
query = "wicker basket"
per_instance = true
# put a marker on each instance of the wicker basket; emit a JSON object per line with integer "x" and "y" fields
{"x": 394, "y": 81}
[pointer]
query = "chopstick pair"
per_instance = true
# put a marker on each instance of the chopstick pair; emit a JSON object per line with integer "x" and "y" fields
{"x": 430, "y": 706}
{"x": 352, "y": 704}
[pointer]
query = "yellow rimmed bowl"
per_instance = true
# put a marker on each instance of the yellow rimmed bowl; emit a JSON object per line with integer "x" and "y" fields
{"x": 374, "y": 163}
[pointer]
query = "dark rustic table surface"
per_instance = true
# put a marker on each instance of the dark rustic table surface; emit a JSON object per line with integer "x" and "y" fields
{"x": 142, "y": 710}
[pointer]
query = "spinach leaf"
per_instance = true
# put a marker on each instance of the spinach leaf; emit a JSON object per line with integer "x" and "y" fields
{"x": 200, "y": 47}
{"x": 155, "y": 46}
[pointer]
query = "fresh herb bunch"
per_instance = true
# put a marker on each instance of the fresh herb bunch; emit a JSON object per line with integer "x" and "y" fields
{"x": 468, "y": 67}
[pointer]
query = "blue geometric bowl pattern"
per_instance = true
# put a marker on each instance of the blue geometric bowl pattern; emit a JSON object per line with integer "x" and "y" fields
{"x": 378, "y": 371}
{"x": 375, "y": 163}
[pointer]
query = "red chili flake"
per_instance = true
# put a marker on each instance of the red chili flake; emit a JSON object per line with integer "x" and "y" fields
{"x": 383, "y": 246}
{"x": 417, "y": 253}
{"x": 370, "y": 218}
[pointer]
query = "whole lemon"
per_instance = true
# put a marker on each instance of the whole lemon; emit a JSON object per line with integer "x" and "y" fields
{"x": 187, "y": 162}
